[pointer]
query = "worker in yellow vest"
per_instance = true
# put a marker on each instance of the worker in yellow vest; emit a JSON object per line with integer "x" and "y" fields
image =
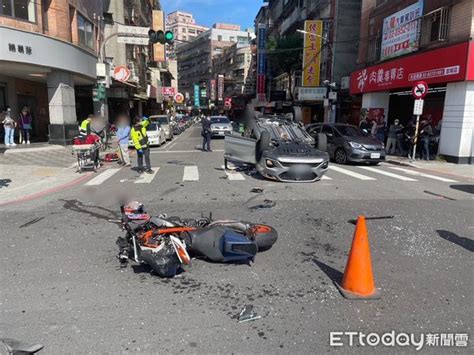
{"x": 140, "y": 141}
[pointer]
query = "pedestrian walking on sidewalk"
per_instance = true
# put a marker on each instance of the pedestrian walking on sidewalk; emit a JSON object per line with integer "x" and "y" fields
{"x": 206, "y": 134}
{"x": 140, "y": 141}
{"x": 9, "y": 125}
{"x": 123, "y": 136}
{"x": 24, "y": 123}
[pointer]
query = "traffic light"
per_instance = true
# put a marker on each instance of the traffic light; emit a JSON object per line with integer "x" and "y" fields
{"x": 161, "y": 37}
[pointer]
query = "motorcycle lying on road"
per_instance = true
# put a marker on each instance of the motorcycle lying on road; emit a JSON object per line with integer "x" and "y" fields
{"x": 165, "y": 244}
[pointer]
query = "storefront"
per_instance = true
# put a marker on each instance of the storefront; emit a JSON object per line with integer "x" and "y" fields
{"x": 449, "y": 71}
{"x": 52, "y": 77}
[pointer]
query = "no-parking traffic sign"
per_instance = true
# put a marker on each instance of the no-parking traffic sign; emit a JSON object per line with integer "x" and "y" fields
{"x": 420, "y": 90}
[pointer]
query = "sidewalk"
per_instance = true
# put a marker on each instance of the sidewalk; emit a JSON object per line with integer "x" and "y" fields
{"x": 33, "y": 170}
{"x": 440, "y": 166}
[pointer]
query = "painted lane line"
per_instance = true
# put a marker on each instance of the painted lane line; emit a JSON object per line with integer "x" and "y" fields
{"x": 102, "y": 177}
{"x": 233, "y": 175}
{"x": 146, "y": 178}
{"x": 386, "y": 173}
{"x": 350, "y": 173}
{"x": 182, "y": 151}
{"x": 191, "y": 173}
{"x": 417, "y": 173}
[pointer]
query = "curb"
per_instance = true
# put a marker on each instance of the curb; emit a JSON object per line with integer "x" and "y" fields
{"x": 46, "y": 192}
{"x": 427, "y": 169}
{"x": 20, "y": 150}
{"x": 398, "y": 162}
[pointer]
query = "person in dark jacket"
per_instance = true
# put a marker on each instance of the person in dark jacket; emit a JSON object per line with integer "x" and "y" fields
{"x": 24, "y": 122}
{"x": 206, "y": 134}
{"x": 425, "y": 133}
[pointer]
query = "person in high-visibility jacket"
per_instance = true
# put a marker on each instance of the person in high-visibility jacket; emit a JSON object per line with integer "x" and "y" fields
{"x": 140, "y": 141}
{"x": 85, "y": 127}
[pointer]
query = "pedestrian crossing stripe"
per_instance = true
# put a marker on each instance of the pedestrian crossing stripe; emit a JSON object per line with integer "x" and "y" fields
{"x": 417, "y": 173}
{"x": 350, "y": 173}
{"x": 233, "y": 175}
{"x": 191, "y": 173}
{"x": 146, "y": 178}
{"x": 99, "y": 179}
{"x": 386, "y": 173}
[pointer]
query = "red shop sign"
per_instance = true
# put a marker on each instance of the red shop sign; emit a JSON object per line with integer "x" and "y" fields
{"x": 437, "y": 66}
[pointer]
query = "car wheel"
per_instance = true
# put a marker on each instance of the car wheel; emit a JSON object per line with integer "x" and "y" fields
{"x": 340, "y": 156}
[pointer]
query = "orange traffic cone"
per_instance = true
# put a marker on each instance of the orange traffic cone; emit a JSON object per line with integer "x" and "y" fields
{"x": 358, "y": 280}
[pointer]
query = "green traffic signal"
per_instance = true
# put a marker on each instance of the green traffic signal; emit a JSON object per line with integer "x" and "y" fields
{"x": 161, "y": 37}
{"x": 169, "y": 36}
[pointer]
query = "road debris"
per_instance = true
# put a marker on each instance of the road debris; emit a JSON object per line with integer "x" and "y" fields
{"x": 439, "y": 195}
{"x": 257, "y": 190}
{"x": 354, "y": 221}
{"x": 248, "y": 314}
{"x": 265, "y": 204}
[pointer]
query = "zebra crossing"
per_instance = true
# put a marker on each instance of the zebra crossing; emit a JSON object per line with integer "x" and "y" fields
{"x": 190, "y": 173}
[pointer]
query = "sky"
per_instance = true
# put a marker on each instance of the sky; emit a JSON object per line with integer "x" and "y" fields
{"x": 208, "y": 12}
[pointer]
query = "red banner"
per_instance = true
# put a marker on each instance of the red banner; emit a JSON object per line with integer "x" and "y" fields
{"x": 470, "y": 62}
{"x": 442, "y": 65}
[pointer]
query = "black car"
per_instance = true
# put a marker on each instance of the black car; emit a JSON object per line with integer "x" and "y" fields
{"x": 348, "y": 143}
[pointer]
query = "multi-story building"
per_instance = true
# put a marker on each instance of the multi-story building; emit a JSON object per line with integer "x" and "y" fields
{"x": 341, "y": 19}
{"x": 48, "y": 55}
{"x": 130, "y": 96}
{"x": 235, "y": 65}
{"x": 184, "y": 27}
{"x": 406, "y": 41}
{"x": 195, "y": 58}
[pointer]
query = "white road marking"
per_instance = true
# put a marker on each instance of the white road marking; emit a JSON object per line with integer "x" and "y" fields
{"x": 350, "y": 173}
{"x": 417, "y": 173}
{"x": 326, "y": 178}
{"x": 146, "y": 178}
{"x": 191, "y": 173}
{"x": 233, "y": 175}
{"x": 386, "y": 173}
{"x": 107, "y": 174}
{"x": 181, "y": 151}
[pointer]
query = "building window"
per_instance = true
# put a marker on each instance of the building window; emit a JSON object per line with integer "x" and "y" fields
{"x": 242, "y": 40}
{"x": 435, "y": 26}
{"x": 85, "y": 31}
{"x": 232, "y": 39}
{"x": 219, "y": 38}
{"x": 374, "y": 49}
{"x": 21, "y": 9}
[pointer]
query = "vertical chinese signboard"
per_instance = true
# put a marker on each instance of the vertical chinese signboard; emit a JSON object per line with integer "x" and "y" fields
{"x": 158, "y": 24}
{"x": 197, "y": 102}
{"x": 220, "y": 88}
{"x": 312, "y": 52}
{"x": 401, "y": 31}
{"x": 213, "y": 90}
{"x": 261, "y": 61}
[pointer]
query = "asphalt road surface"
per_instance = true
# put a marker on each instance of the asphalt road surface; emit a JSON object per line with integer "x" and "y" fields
{"x": 61, "y": 283}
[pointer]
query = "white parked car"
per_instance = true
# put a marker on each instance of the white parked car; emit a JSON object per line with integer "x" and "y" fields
{"x": 156, "y": 134}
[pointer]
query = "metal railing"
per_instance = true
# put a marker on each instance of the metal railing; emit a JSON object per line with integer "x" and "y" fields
{"x": 435, "y": 26}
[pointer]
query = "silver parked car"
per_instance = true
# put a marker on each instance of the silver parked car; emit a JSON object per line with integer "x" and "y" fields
{"x": 165, "y": 123}
{"x": 347, "y": 143}
{"x": 220, "y": 126}
{"x": 280, "y": 149}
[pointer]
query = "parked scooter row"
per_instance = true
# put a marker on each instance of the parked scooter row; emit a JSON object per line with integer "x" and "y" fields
{"x": 180, "y": 123}
{"x": 168, "y": 243}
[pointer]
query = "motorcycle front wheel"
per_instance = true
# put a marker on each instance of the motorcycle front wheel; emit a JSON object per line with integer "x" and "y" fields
{"x": 265, "y": 236}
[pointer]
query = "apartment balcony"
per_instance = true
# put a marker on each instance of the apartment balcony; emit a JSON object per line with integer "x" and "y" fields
{"x": 294, "y": 17}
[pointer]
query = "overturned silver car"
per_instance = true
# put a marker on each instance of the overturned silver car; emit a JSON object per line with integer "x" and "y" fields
{"x": 279, "y": 148}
